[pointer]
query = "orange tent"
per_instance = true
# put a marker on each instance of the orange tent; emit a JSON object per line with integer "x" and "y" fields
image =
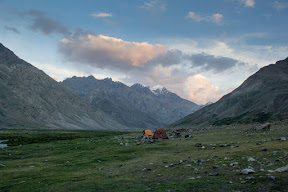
{"x": 147, "y": 133}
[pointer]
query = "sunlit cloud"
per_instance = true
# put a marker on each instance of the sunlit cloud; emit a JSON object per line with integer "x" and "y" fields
{"x": 103, "y": 51}
{"x": 215, "y": 18}
{"x": 248, "y": 3}
{"x": 101, "y": 14}
{"x": 201, "y": 90}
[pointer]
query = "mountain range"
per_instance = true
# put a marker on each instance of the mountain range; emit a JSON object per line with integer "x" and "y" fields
{"x": 135, "y": 106}
{"x": 262, "y": 97}
{"x": 30, "y": 98}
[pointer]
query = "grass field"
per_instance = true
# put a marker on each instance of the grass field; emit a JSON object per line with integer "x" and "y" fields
{"x": 60, "y": 160}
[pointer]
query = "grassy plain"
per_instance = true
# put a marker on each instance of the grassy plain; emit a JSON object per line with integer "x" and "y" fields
{"x": 61, "y": 160}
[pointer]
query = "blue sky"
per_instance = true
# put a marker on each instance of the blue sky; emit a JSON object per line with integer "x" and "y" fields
{"x": 198, "y": 49}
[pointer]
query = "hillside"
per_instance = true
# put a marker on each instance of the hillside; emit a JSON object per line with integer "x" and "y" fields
{"x": 29, "y": 97}
{"x": 262, "y": 97}
{"x": 135, "y": 106}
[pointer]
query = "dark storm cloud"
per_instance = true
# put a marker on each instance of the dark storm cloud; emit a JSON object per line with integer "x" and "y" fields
{"x": 40, "y": 22}
{"x": 7, "y": 28}
{"x": 212, "y": 63}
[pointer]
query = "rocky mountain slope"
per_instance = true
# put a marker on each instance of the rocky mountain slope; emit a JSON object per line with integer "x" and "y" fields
{"x": 135, "y": 106}
{"x": 29, "y": 97}
{"x": 262, "y": 97}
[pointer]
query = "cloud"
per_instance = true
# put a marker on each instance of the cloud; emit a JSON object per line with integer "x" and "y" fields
{"x": 154, "y": 5}
{"x": 101, "y": 14}
{"x": 150, "y": 64}
{"x": 201, "y": 90}
{"x": 248, "y": 3}
{"x": 215, "y": 18}
{"x": 40, "y": 22}
{"x": 7, "y": 28}
{"x": 210, "y": 62}
{"x": 109, "y": 52}
{"x": 280, "y": 5}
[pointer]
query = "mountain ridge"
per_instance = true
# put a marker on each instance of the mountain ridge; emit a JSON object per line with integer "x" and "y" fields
{"x": 261, "y": 97}
{"x": 29, "y": 97}
{"x": 132, "y": 106}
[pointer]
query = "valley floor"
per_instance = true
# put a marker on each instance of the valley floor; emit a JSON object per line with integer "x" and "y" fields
{"x": 227, "y": 159}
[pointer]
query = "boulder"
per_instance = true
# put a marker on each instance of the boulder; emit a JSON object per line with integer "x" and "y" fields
{"x": 265, "y": 126}
{"x": 282, "y": 169}
{"x": 248, "y": 171}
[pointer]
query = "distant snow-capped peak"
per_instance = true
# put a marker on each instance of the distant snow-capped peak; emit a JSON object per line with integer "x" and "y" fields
{"x": 158, "y": 90}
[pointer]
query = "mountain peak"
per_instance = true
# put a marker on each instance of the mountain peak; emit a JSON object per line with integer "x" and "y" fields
{"x": 159, "y": 90}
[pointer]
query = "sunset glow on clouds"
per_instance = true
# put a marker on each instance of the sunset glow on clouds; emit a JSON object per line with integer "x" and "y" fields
{"x": 100, "y": 50}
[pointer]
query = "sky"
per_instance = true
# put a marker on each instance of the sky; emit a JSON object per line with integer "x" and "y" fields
{"x": 198, "y": 49}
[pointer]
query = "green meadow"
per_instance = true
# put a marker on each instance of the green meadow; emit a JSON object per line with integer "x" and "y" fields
{"x": 61, "y": 160}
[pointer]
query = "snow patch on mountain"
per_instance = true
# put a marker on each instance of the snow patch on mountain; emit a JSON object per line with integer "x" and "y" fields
{"x": 158, "y": 90}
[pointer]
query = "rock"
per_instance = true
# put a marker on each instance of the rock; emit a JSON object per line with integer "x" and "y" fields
{"x": 121, "y": 144}
{"x": 282, "y": 169}
{"x": 278, "y": 159}
{"x": 216, "y": 173}
{"x": 127, "y": 144}
{"x": 188, "y": 165}
{"x": 198, "y": 144}
{"x": 188, "y": 136}
{"x": 214, "y": 166}
{"x": 203, "y": 147}
{"x": 258, "y": 143}
{"x": 271, "y": 171}
{"x": 283, "y": 139}
{"x": 221, "y": 145}
{"x": 265, "y": 126}
{"x": 250, "y": 159}
{"x": 264, "y": 149}
{"x": 271, "y": 177}
{"x": 181, "y": 161}
{"x": 1, "y": 165}
{"x": 248, "y": 171}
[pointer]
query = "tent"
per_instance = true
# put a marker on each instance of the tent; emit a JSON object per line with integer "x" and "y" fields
{"x": 147, "y": 133}
{"x": 160, "y": 134}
